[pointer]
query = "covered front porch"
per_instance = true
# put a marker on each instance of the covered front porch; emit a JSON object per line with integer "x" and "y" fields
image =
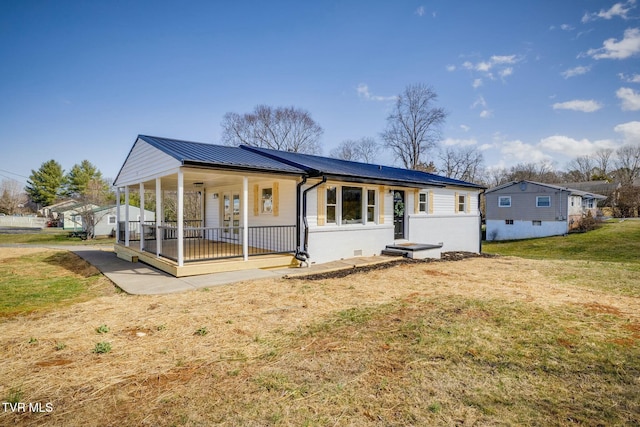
{"x": 209, "y": 221}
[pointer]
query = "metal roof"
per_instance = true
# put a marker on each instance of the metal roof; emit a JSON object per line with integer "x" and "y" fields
{"x": 197, "y": 153}
{"x": 356, "y": 171}
{"x": 267, "y": 160}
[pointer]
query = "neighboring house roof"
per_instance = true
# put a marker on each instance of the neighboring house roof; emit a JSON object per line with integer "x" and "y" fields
{"x": 262, "y": 159}
{"x": 573, "y": 191}
{"x": 599, "y": 187}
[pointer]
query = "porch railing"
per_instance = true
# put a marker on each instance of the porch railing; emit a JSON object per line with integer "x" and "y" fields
{"x": 134, "y": 228}
{"x": 208, "y": 243}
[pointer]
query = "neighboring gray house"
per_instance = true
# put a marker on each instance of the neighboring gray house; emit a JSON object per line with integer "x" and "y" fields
{"x": 106, "y": 217}
{"x": 527, "y": 209}
{"x": 71, "y": 215}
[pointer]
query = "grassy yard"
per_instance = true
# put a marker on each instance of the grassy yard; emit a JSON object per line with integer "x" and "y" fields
{"x": 483, "y": 341}
{"x": 40, "y": 279}
{"x": 615, "y": 241}
{"x": 47, "y": 236}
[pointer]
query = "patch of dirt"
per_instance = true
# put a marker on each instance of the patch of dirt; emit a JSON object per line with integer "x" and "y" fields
{"x": 53, "y": 362}
{"x": 602, "y": 308}
{"x": 446, "y": 256}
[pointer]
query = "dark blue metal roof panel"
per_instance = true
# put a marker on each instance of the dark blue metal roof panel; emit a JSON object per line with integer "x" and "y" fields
{"x": 357, "y": 170}
{"x": 217, "y": 155}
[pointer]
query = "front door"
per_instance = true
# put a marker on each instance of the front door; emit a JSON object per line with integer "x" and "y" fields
{"x": 231, "y": 215}
{"x": 398, "y": 214}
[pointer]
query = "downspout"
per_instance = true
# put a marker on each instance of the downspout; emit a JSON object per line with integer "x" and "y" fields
{"x": 480, "y": 220}
{"x": 303, "y": 255}
{"x": 298, "y": 196}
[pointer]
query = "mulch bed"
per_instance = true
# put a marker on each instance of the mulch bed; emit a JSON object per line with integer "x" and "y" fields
{"x": 446, "y": 256}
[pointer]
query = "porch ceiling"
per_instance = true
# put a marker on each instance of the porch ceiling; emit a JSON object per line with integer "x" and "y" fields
{"x": 195, "y": 179}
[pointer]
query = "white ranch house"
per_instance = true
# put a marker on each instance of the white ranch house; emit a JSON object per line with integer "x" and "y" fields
{"x": 265, "y": 208}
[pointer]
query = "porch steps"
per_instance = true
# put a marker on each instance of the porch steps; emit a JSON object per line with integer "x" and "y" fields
{"x": 414, "y": 250}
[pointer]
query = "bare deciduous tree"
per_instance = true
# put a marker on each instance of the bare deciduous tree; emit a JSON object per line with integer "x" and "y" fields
{"x": 413, "y": 128}
{"x": 364, "y": 150}
{"x": 628, "y": 164}
{"x": 602, "y": 160}
{"x": 463, "y": 163}
{"x": 281, "y": 128}
{"x": 12, "y": 198}
{"x": 581, "y": 168}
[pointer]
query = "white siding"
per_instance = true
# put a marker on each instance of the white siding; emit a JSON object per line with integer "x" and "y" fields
{"x": 498, "y": 230}
{"x": 456, "y": 231}
{"x": 145, "y": 162}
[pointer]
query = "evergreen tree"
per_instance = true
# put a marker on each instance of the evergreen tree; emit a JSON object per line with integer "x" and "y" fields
{"x": 80, "y": 177}
{"x": 45, "y": 185}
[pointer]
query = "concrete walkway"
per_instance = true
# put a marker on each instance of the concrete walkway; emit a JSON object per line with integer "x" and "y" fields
{"x": 141, "y": 279}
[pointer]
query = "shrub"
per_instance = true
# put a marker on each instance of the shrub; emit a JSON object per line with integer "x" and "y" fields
{"x": 102, "y": 329}
{"x": 102, "y": 347}
{"x": 587, "y": 223}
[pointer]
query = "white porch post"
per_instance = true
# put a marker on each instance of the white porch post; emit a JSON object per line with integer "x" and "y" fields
{"x": 245, "y": 218}
{"x": 118, "y": 215}
{"x": 159, "y": 216}
{"x": 141, "y": 216}
{"x": 180, "y": 218}
{"x": 126, "y": 216}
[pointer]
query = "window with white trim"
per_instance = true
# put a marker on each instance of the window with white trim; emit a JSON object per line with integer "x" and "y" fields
{"x": 345, "y": 205}
{"x": 504, "y": 201}
{"x": 351, "y": 205}
{"x": 371, "y": 205}
{"x": 543, "y": 201}
{"x": 111, "y": 220}
{"x": 422, "y": 203}
{"x": 332, "y": 205}
{"x": 536, "y": 223}
{"x": 266, "y": 200}
{"x": 462, "y": 202}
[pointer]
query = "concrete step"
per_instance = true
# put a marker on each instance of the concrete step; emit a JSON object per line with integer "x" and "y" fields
{"x": 415, "y": 250}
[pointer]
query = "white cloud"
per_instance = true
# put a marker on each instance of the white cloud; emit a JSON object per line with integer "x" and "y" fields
{"x": 618, "y": 9}
{"x": 363, "y": 92}
{"x": 485, "y": 147}
{"x": 477, "y": 83}
{"x": 566, "y": 27}
{"x": 634, "y": 78}
{"x": 420, "y": 11}
{"x": 460, "y": 142}
{"x": 630, "y": 99}
{"x": 465, "y": 128}
{"x": 572, "y": 72}
{"x": 506, "y": 72}
{"x": 468, "y": 65}
{"x": 486, "y": 114}
{"x": 573, "y": 147}
{"x": 451, "y": 67}
{"x": 586, "y": 106}
{"x": 510, "y": 59}
{"x": 630, "y": 132}
{"x": 613, "y": 49}
{"x": 483, "y": 66}
{"x": 480, "y": 102}
{"x": 518, "y": 151}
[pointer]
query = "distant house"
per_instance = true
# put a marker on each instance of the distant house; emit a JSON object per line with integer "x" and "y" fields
{"x": 268, "y": 208}
{"x": 71, "y": 215}
{"x": 527, "y": 209}
{"x": 53, "y": 211}
{"x": 106, "y": 218}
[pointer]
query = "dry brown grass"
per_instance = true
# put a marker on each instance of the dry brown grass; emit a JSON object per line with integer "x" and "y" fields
{"x": 474, "y": 342}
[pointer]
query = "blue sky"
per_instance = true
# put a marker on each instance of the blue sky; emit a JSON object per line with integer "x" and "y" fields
{"x": 523, "y": 81}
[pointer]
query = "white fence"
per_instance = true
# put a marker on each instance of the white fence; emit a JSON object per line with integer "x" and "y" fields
{"x": 23, "y": 221}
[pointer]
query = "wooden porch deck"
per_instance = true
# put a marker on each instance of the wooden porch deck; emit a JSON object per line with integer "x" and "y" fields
{"x": 194, "y": 266}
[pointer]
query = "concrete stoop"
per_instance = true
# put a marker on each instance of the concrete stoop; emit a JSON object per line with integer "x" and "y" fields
{"x": 414, "y": 250}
